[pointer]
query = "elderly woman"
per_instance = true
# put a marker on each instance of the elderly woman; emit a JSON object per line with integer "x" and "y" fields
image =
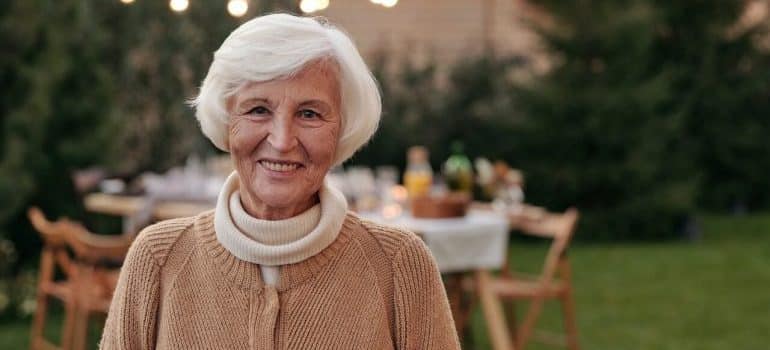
{"x": 280, "y": 263}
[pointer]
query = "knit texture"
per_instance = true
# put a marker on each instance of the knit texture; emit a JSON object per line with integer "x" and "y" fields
{"x": 273, "y": 232}
{"x": 279, "y": 243}
{"x": 373, "y": 287}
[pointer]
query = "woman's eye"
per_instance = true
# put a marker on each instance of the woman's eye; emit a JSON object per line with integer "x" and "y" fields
{"x": 258, "y": 110}
{"x": 309, "y": 114}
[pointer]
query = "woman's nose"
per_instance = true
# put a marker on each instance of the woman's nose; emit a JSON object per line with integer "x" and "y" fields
{"x": 282, "y": 136}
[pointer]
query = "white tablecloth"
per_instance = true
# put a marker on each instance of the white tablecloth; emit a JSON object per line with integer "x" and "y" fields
{"x": 477, "y": 241}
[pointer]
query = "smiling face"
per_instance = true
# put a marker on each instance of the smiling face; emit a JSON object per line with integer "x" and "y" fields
{"x": 282, "y": 137}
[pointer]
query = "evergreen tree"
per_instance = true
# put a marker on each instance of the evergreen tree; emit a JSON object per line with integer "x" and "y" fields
{"x": 56, "y": 114}
{"x": 641, "y": 98}
{"x": 723, "y": 78}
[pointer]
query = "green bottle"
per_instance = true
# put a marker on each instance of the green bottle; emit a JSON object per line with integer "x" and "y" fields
{"x": 458, "y": 170}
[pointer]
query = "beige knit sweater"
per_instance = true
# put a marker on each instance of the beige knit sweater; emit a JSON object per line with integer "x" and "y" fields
{"x": 374, "y": 287}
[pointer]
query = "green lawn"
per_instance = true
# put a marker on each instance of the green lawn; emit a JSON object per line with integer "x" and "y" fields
{"x": 712, "y": 294}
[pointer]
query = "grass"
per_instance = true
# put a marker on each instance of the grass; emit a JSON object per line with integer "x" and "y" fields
{"x": 15, "y": 334}
{"x": 710, "y": 294}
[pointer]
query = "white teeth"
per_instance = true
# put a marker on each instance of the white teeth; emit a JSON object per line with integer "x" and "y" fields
{"x": 283, "y": 167}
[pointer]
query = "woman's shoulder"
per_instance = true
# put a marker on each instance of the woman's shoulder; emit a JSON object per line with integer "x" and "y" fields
{"x": 408, "y": 258}
{"x": 392, "y": 240}
{"x": 158, "y": 239}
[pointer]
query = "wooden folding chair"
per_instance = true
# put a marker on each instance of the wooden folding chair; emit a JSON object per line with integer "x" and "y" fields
{"x": 554, "y": 282}
{"x": 88, "y": 283}
{"x": 53, "y": 258}
{"x": 96, "y": 275}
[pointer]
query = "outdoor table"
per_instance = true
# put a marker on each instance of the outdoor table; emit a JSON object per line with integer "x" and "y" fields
{"x": 125, "y": 206}
{"x": 478, "y": 240}
{"x": 129, "y": 207}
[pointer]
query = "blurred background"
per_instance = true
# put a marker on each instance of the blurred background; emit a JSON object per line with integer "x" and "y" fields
{"x": 650, "y": 116}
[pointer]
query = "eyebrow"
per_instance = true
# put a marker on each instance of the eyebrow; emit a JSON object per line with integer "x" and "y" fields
{"x": 315, "y": 102}
{"x": 252, "y": 100}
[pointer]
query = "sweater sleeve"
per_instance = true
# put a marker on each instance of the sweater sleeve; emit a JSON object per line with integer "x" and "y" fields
{"x": 423, "y": 317}
{"x": 131, "y": 321}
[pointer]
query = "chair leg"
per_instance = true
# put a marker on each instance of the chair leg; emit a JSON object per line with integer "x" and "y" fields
{"x": 525, "y": 331}
{"x": 568, "y": 310}
{"x": 467, "y": 300}
{"x": 80, "y": 332}
{"x": 80, "y": 328}
{"x": 38, "y": 321}
{"x": 493, "y": 313}
{"x": 454, "y": 294}
{"x": 68, "y": 328}
{"x": 568, "y": 305}
{"x": 510, "y": 315}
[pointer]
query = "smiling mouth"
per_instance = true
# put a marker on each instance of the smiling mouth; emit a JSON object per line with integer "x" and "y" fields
{"x": 280, "y": 166}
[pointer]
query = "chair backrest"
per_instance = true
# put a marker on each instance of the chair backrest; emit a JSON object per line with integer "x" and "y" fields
{"x": 49, "y": 231}
{"x": 559, "y": 227}
{"x": 93, "y": 248}
{"x": 87, "y": 246}
{"x": 54, "y": 242}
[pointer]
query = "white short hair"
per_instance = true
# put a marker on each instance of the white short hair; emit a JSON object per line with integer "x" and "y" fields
{"x": 276, "y": 46}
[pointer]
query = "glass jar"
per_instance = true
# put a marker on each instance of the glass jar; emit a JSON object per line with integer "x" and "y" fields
{"x": 418, "y": 176}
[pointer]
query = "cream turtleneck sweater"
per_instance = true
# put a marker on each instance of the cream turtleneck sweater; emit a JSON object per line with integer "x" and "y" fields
{"x": 272, "y": 243}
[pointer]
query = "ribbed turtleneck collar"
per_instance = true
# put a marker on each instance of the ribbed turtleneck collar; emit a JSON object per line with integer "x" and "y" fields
{"x": 273, "y": 232}
{"x": 277, "y": 242}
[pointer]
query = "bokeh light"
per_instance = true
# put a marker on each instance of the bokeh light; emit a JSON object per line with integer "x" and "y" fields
{"x": 237, "y": 8}
{"x": 178, "y": 5}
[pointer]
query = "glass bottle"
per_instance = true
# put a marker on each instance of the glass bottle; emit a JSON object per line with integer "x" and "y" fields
{"x": 418, "y": 176}
{"x": 458, "y": 170}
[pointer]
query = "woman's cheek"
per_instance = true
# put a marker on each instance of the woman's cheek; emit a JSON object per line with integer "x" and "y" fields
{"x": 243, "y": 136}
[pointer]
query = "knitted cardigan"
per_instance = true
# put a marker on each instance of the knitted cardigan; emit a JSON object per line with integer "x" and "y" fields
{"x": 374, "y": 287}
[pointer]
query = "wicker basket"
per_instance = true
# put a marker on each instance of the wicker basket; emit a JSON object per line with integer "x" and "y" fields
{"x": 447, "y": 206}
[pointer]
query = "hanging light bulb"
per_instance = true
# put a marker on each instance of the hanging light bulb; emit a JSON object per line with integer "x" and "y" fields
{"x": 178, "y": 5}
{"x": 378, "y": 2}
{"x": 237, "y": 8}
{"x": 308, "y": 6}
{"x": 388, "y": 3}
{"x": 127, "y": 1}
{"x": 322, "y": 4}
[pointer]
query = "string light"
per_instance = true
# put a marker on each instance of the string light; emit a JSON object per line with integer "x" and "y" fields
{"x": 237, "y": 8}
{"x": 309, "y": 6}
{"x": 178, "y": 5}
{"x": 385, "y": 3}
